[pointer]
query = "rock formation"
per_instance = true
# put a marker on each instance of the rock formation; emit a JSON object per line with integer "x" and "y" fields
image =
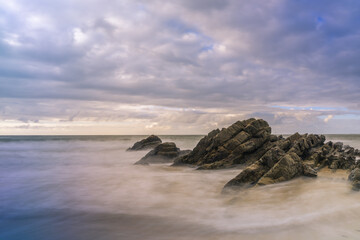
{"x": 333, "y": 155}
{"x": 268, "y": 158}
{"x": 284, "y": 161}
{"x": 163, "y": 153}
{"x": 243, "y": 142}
{"x": 149, "y": 142}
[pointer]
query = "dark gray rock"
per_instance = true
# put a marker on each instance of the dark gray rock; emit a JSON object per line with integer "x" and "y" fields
{"x": 273, "y": 138}
{"x": 354, "y": 177}
{"x": 274, "y": 166}
{"x": 288, "y": 167}
{"x": 163, "y": 153}
{"x": 298, "y": 155}
{"x": 338, "y": 146}
{"x": 282, "y": 162}
{"x": 357, "y": 152}
{"x": 149, "y": 142}
{"x": 241, "y": 143}
{"x": 333, "y": 156}
{"x": 267, "y": 158}
{"x": 252, "y": 174}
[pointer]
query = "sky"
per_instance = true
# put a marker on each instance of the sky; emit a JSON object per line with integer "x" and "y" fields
{"x": 178, "y": 67}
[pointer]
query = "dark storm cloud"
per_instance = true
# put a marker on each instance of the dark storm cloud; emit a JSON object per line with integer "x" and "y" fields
{"x": 242, "y": 57}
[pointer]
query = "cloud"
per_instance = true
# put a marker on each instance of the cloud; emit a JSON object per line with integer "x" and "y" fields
{"x": 328, "y": 118}
{"x": 225, "y": 59}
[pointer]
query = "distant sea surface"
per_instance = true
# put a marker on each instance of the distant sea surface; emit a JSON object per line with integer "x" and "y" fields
{"x": 87, "y": 187}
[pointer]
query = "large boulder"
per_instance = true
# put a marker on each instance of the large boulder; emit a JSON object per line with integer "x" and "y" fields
{"x": 163, "y": 153}
{"x": 149, "y": 142}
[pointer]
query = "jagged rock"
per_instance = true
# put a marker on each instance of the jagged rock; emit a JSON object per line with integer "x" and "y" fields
{"x": 349, "y": 150}
{"x": 338, "y": 146}
{"x": 269, "y": 158}
{"x": 357, "y": 152}
{"x": 149, "y": 142}
{"x": 298, "y": 155}
{"x": 163, "y": 153}
{"x": 309, "y": 171}
{"x": 274, "y": 166}
{"x": 243, "y": 142}
{"x": 273, "y": 138}
{"x": 252, "y": 174}
{"x": 334, "y": 156}
{"x": 286, "y": 168}
{"x": 354, "y": 177}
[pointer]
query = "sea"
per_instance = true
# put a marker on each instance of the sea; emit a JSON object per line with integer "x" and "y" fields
{"x": 87, "y": 187}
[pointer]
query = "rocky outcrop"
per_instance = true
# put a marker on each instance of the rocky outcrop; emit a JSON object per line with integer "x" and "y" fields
{"x": 268, "y": 158}
{"x": 298, "y": 155}
{"x": 333, "y": 155}
{"x": 243, "y": 142}
{"x": 282, "y": 162}
{"x": 163, "y": 153}
{"x": 149, "y": 142}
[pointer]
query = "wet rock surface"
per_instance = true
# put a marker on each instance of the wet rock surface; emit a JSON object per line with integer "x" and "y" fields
{"x": 163, "y": 153}
{"x": 147, "y": 143}
{"x": 354, "y": 177}
{"x": 267, "y": 158}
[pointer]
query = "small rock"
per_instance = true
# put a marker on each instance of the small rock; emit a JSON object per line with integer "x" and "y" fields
{"x": 149, "y": 142}
{"x": 309, "y": 171}
{"x": 273, "y": 138}
{"x": 163, "y": 153}
{"x": 338, "y": 146}
{"x": 354, "y": 177}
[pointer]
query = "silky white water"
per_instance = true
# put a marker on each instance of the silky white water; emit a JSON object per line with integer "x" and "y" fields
{"x": 88, "y": 188}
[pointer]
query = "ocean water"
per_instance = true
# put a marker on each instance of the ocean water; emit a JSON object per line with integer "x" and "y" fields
{"x": 86, "y": 187}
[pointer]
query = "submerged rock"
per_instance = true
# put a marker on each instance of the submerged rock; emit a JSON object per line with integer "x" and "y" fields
{"x": 163, "y": 153}
{"x": 149, "y": 142}
{"x": 354, "y": 177}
